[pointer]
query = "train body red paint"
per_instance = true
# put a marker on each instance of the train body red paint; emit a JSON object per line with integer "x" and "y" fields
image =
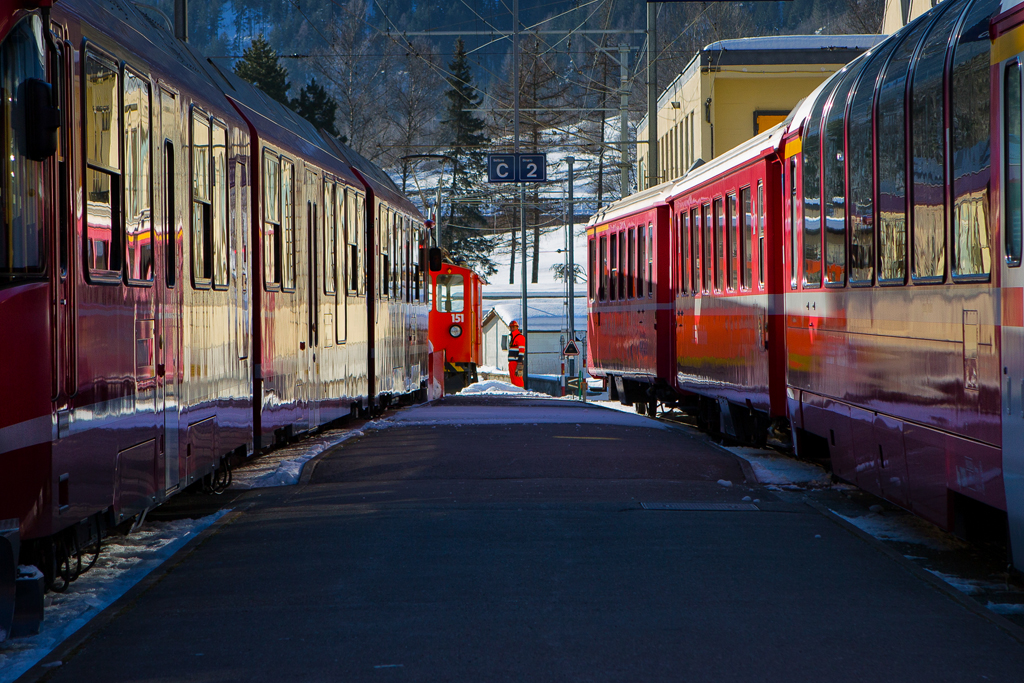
{"x": 194, "y": 272}
{"x": 883, "y": 321}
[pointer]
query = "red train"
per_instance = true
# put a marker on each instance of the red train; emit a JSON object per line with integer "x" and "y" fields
{"x": 455, "y": 322}
{"x": 854, "y": 273}
{"x": 188, "y": 270}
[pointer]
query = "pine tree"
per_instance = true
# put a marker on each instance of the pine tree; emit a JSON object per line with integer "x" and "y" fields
{"x": 463, "y": 132}
{"x": 316, "y": 106}
{"x": 259, "y": 65}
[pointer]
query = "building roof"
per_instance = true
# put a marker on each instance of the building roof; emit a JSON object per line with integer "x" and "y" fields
{"x": 547, "y": 314}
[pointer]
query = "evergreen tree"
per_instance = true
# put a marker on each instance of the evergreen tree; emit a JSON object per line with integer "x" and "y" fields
{"x": 464, "y": 238}
{"x": 259, "y": 65}
{"x": 317, "y": 107}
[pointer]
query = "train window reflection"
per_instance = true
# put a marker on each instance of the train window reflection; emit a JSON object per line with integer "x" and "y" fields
{"x": 709, "y": 250}
{"x": 271, "y": 220}
{"x": 747, "y": 239}
{"x": 287, "y": 225}
{"x": 138, "y": 212}
{"x": 860, "y": 192}
{"x": 684, "y": 251}
{"x": 202, "y": 214}
{"x": 731, "y": 236}
{"x": 602, "y": 252}
{"x": 811, "y": 173}
{"x": 834, "y": 180}
{"x": 892, "y": 175}
{"x": 1013, "y": 162}
{"x": 928, "y": 152}
{"x": 650, "y": 259}
{"x": 719, "y": 260}
{"x": 221, "y": 213}
{"x": 970, "y": 95}
{"x": 613, "y": 257}
{"x": 330, "y": 241}
{"x": 592, "y": 262}
{"x": 760, "y": 234}
{"x": 103, "y": 172}
{"x": 622, "y": 266}
{"x": 22, "y": 239}
{"x": 694, "y": 251}
{"x": 640, "y": 260}
{"x": 450, "y": 294}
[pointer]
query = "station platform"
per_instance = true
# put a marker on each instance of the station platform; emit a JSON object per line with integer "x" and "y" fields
{"x": 519, "y": 539}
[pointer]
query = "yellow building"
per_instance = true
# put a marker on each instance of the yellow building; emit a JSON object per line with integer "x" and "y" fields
{"x": 734, "y": 89}
{"x": 898, "y": 13}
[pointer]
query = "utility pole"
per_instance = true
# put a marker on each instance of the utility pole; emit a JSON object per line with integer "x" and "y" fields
{"x": 623, "y": 120}
{"x": 571, "y": 271}
{"x": 522, "y": 195}
{"x": 652, "y": 94}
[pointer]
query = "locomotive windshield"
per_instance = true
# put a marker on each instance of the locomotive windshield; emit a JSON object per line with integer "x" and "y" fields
{"x": 21, "y": 228}
{"x": 450, "y": 293}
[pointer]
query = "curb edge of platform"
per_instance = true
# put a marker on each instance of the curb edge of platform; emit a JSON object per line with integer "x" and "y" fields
{"x": 970, "y": 604}
{"x": 79, "y": 638}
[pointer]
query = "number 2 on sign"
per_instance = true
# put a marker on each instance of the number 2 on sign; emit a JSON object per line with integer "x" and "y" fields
{"x": 532, "y": 169}
{"x": 458, "y": 318}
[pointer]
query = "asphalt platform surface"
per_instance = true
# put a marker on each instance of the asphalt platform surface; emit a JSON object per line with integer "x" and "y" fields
{"x": 492, "y": 539}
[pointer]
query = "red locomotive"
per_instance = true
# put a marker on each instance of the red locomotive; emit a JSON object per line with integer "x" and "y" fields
{"x": 455, "y": 323}
{"x": 187, "y": 271}
{"x": 856, "y": 273}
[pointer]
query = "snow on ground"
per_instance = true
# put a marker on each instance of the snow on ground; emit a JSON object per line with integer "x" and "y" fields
{"x": 283, "y": 467}
{"x": 775, "y": 469}
{"x": 1006, "y": 608}
{"x": 123, "y": 563}
{"x": 495, "y": 387}
{"x": 903, "y": 528}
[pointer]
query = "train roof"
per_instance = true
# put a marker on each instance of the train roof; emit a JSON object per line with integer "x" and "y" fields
{"x": 757, "y": 146}
{"x": 634, "y": 203}
{"x": 380, "y": 183}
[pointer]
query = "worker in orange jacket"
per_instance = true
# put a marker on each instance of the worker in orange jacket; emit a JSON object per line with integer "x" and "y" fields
{"x": 516, "y": 354}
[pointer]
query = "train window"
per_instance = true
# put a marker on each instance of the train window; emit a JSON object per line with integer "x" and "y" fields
{"x": 719, "y": 258}
{"x": 650, "y": 259}
{"x": 221, "y": 213}
{"x": 834, "y": 179}
{"x": 271, "y": 221}
{"x": 709, "y": 251}
{"x": 103, "y": 170}
{"x": 353, "y": 225}
{"x": 287, "y": 225}
{"x": 860, "y": 192}
{"x": 622, "y": 266}
{"x": 891, "y": 139}
{"x": 613, "y": 257}
{"x": 928, "y": 225}
{"x": 202, "y": 209}
{"x": 970, "y": 94}
{"x": 1012, "y": 118}
{"x": 731, "y": 237}
{"x": 602, "y": 253}
{"x": 170, "y": 241}
{"x": 636, "y": 271}
{"x": 640, "y": 260}
{"x": 138, "y": 218}
{"x": 684, "y": 251}
{"x": 811, "y": 184}
{"x": 592, "y": 262}
{"x": 330, "y": 259}
{"x": 746, "y": 239}
{"x": 450, "y": 296}
{"x": 759, "y": 229}
{"x": 794, "y": 202}
{"x": 694, "y": 251}
{"x": 22, "y": 235}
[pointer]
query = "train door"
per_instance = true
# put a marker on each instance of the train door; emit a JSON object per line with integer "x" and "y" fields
{"x": 168, "y": 297}
{"x": 1012, "y": 327}
{"x": 313, "y": 193}
{"x": 64, "y": 352}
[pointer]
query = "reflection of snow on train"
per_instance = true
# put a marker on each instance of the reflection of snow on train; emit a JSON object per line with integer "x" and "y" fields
{"x": 187, "y": 271}
{"x": 891, "y": 341}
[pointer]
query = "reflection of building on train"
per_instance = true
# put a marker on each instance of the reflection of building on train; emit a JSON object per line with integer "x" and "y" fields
{"x": 891, "y": 341}
{"x": 455, "y": 324}
{"x": 188, "y": 271}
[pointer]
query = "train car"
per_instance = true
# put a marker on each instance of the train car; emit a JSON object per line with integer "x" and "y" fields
{"x": 902, "y": 302}
{"x": 629, "y": 321}
{"x": 456, "y": 323}
{"x": 183, "y": 273}
{"x": 729, "y": 329}
{"x": 396, "y": 272}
